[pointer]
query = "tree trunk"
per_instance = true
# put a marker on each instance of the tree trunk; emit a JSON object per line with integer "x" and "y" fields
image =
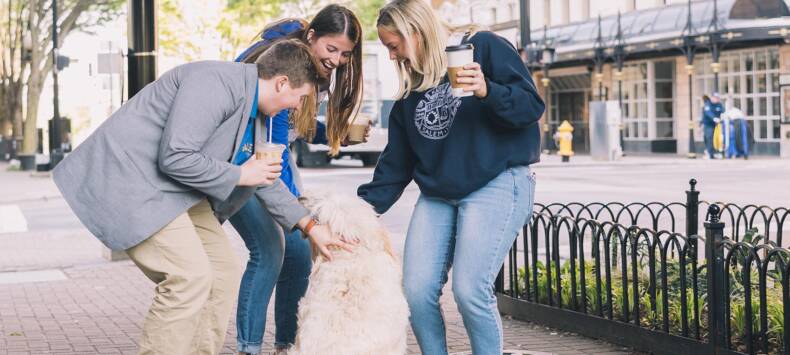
{"x": 41, "y": 65}
{"x": 30, "y": 142}
{"x": 14, "y": 108}
{"x": 35, "y": 82}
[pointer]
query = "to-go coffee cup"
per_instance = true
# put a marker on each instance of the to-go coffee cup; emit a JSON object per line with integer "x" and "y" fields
{"x": 269, "y": 151}
{"x": 358, "y": 128}
{"x": 457, "y": 57}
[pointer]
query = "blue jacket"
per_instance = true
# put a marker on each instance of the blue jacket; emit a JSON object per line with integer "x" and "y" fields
{"x": 453, "y": 146}
{"x": 711, "y": 112}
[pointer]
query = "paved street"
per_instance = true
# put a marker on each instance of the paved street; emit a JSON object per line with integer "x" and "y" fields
{"x": 59, "y": 295}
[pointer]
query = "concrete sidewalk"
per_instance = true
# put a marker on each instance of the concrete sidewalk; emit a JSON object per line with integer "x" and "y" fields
{"x": 59, "y": 296}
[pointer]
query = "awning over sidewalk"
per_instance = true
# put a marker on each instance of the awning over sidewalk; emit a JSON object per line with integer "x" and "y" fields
{"x": 658, "y": 31}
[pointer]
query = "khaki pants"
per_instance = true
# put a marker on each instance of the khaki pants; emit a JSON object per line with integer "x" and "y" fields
{"x": 197, "y": 277}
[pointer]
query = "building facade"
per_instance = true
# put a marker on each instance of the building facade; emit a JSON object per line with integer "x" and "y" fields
{"x": 637, "y": 53}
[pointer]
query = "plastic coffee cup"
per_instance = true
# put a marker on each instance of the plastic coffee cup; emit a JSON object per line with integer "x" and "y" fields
{"x": 269, "y": 151}
{"x": 457, "y": 57}
{"x": 357, "y": 129}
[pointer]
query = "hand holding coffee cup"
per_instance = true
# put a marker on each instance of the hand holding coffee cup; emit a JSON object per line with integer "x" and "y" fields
{"x": 255, "y": 172}
{"x": 358, "y": 131}
{"x": 474, "y": 80}
{"x": 458, "y": 57}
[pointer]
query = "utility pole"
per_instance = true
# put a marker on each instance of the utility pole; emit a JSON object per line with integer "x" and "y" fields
{"x": 524, "y": 24}
{"x": 142, "y": 44}
{"x": 57, "y": 129}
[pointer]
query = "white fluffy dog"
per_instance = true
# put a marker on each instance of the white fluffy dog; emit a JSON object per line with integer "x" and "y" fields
{"x": 355, "y": 303}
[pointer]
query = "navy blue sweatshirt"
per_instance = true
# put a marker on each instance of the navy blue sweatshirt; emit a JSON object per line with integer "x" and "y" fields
{"x": 454, "y": 146}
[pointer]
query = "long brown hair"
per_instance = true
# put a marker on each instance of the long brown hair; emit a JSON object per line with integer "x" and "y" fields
{"x": 345, "y": 92}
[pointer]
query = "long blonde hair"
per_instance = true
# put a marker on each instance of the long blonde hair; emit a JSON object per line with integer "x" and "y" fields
{"x": 415, "y": 19}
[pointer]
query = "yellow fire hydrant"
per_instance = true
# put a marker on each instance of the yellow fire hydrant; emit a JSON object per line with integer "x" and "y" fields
{"x": 565, "y": 139}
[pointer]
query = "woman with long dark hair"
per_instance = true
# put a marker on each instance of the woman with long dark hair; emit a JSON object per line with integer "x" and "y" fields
{"x": 279, "y": 257}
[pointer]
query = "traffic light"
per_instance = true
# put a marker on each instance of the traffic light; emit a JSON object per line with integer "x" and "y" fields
{"x": 62, "y": 62}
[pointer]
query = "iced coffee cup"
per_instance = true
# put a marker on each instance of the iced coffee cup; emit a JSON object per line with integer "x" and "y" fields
{"x": 457, "y": 57}
{"x": 269, "y": 151}
{"x": 357, "y": 129}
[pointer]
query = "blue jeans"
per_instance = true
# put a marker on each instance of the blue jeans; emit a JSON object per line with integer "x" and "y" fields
{"x": 270, "y": 252}
{"x": 473, "y": 235}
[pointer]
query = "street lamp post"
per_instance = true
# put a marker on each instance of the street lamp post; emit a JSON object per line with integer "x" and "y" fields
{"x": 599, "y": 52}
{"x": 715, "y": 39}
{"x": 619, "y": 58}
{"x": 688, "y": 48}
{"x": 545, "y": 56}
{"x": 524, "y": 24}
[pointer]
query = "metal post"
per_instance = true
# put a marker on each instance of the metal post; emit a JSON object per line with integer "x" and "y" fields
{"x": 548, "y": 140}
{"x": 622, "y": 118}
{"x": 524, "y": 24}
{"x": 56, "y": 124}
{"x": 714, "y": 51}
{"x": 714, "y": 254}
{"x": 142, "y": 44}
{"x": 619, "y": 53}
{"x": 688, "y": 48}
{"x": 692, "y": 154}
{"x": 499, "y": 283}
{"x": 692, "y": 209}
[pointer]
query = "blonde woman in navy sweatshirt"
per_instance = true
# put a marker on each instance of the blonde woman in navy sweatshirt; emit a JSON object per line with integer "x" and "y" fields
{"x": 470, "y": 158}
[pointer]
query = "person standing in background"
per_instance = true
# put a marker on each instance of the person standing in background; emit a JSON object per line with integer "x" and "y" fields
{"x": 711, "y": 113}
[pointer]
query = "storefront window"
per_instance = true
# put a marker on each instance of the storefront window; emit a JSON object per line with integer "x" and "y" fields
{"x": 648, "y": 100}
{"x": 635, "y": 99}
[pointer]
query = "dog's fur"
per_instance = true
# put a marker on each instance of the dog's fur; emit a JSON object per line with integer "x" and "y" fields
{"x": 355, "y": 303}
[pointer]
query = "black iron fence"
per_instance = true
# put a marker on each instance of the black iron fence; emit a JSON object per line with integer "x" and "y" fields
{"x": 629, "y": 274}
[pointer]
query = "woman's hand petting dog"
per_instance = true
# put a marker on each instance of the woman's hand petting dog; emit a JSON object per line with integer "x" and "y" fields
{"x": 322, "y": 239}
{"x": 350, "y": 240}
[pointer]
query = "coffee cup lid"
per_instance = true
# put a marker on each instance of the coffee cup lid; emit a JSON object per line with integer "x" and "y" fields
{"x": 460, "y": 47}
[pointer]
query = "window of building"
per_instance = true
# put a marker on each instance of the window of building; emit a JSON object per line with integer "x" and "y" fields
{"x": 635, "y": 101}
{"x": 664, "y": 73}
{"x": 648, "y": 100}
{"x": 749, "y": 80}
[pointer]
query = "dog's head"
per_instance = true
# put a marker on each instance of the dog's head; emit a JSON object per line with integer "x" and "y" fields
{"x": 348, "y": 215}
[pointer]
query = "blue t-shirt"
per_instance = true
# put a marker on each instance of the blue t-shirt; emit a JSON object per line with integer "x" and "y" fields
{"x": 247, "y": 145}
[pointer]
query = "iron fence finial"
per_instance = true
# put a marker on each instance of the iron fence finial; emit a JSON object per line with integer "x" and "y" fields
{"x": 693, "y": 184}
{"x": 713, "y": 214}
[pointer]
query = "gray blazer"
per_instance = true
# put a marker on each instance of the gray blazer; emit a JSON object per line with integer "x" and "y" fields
{"x": 165, "y": 150}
